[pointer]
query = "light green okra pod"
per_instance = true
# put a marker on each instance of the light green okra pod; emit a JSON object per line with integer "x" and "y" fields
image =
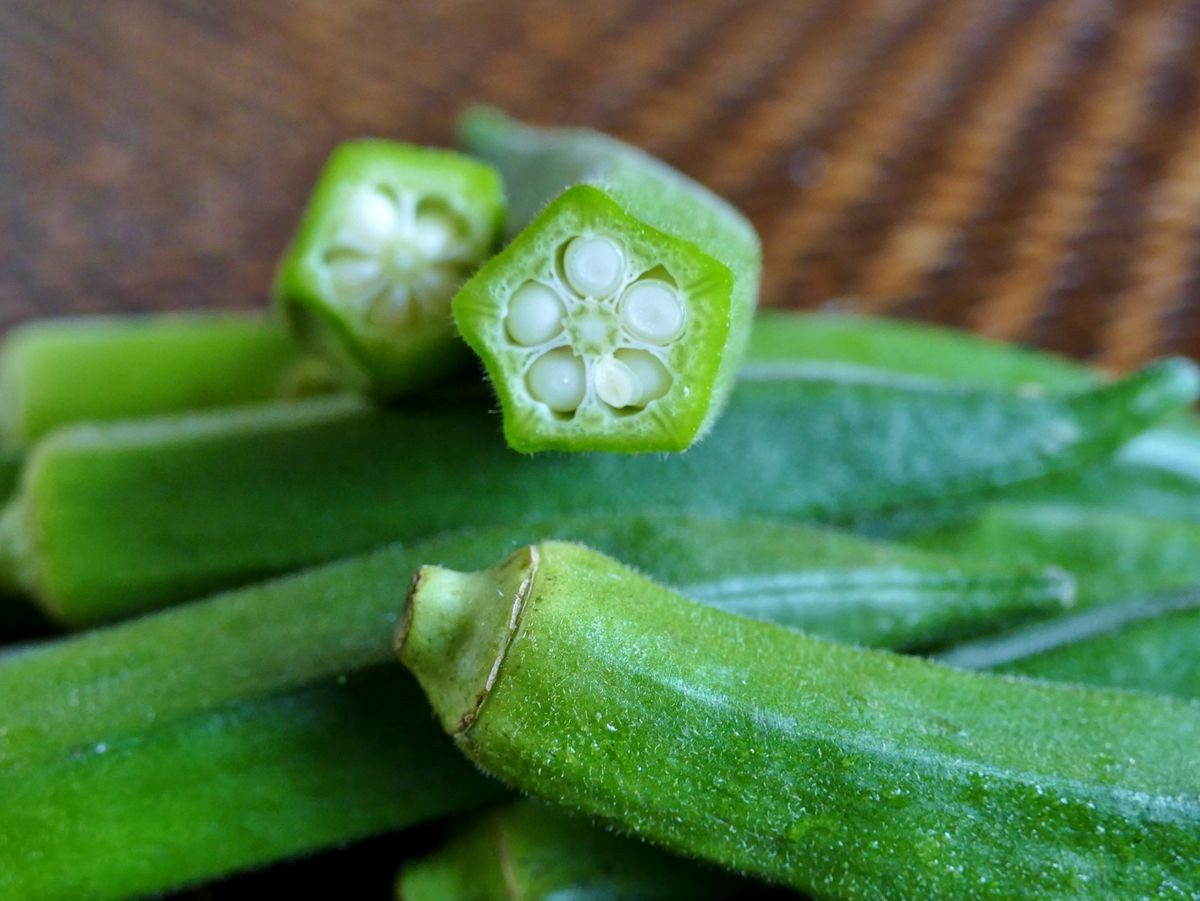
{"x": 390, "y": 234}
{"x": 60, "y": 371}
{"x": 829, "y": 769}
{"x": 265, "y": 723}
{"x": 617, "y": 317}
{"x": 212, "y": 501}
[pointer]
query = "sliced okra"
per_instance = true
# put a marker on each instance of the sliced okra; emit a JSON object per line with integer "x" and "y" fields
{"x": 829, "y": 769}
{"x": 598, "y": 331}
{"x": 616, "y": 318}
{"x": 390, "y": 234}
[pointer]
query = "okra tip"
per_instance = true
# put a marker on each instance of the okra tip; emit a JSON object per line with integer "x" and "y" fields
{"x": 456, "y": 628}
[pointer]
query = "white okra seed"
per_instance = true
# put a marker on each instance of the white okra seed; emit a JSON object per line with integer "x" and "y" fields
{"x": 356, "y": 278}
{"x": 653, "y": 378}
{"x": 616, "y": 384}
{"x": 535, "y": 314}
{"x": 371, "y": 218}
{"x": 650, "y": 310}
{"x": 436, "y": 234}
{"x": 593, "y": 265}
{"x": 557, "y": 378}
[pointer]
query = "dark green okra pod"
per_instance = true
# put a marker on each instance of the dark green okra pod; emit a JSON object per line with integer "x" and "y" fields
{"x": 263, "y": 723}
{"x": 389, "y": 235}
{"x": 826, "y": 768}
{"x": 616, "y": 318}
{"x": 212, "y": 501}
{"x": 61, "y": 371}
{"x": 1157, "y": 474}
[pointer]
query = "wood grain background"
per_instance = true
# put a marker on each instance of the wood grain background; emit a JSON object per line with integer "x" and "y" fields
{"x": 1027, "y": 168}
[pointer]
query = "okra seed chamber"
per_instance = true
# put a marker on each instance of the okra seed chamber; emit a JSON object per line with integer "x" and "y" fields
{"x": 597, "y": 331}
{"x": 397, "y": 258}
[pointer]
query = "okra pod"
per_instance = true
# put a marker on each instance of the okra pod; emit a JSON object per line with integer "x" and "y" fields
{"x": 1150, "y": 644}
{"x": 617, "y": 317}
{"x": 265, "y": 723}
{"x": 61, "y": 371}
{"x": 211, "y": 501}
{"x": 1158, "y": 473}
{"x": 825, "y": 768}
{"x": 534, "y": 852}
{"x": 390, "y": 234}
{"x": 1113, "y": 555}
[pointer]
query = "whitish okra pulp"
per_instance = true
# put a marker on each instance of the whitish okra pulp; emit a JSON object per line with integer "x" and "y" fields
{"x": 616, "y": 317}
{"x": 834, "y": 770}
{"x": 390, "y": 234}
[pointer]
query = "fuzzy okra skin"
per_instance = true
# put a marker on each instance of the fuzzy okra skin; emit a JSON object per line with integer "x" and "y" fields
{"x": 212, "y": 501}
{"x": 616, "y": 318}
{"x": 390, "y": 234}
{"x": 61, "y": 371}
{"x": 265, "y": 723}
{"x": 826, "y": 768}
{"x": 530, "y": 852}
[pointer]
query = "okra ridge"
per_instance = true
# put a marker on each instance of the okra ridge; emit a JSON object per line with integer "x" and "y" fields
{"x": 455, "y": 635}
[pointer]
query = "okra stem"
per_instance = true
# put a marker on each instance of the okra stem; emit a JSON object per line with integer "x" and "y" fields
{"x": 221, "y": 499}
{"x": 826, "y": 768}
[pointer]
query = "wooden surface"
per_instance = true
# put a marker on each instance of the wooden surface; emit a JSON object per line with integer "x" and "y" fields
{"x": 1028, "y": 168}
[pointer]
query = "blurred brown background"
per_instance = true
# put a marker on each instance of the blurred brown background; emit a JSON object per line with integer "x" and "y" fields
{"x": 1027, "y": 168}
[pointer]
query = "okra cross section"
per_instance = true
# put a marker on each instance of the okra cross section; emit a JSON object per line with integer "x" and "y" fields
{"x": 827, "y": 768}
{"x": 390, "y": 234}
{"x": 593, "y": 324}
{"x": 618, "y": 315}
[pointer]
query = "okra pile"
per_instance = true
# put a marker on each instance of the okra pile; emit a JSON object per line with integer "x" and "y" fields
{"x": 513, "y": 532}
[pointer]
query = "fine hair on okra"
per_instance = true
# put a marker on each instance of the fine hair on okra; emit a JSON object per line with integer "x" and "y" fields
{"x": 826, "y": 768}
{"x": 617, "y": 316}
{"x": 389, "y": 235}
{"x": 211, "y": 501}
{"x": 271, "y": 711}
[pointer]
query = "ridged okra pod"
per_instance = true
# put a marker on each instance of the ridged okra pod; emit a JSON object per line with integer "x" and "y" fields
{"x": 61, "y": 371}
{"x": 1149, "y": 644}
{"x": 823, "y": 767}
{"x": 1158, "y": 473}
{"x": 389, "y": 235}
{"x": 266, "y": 722}
{"x": 616, "y": 318}
{"x": 212, "y": 501}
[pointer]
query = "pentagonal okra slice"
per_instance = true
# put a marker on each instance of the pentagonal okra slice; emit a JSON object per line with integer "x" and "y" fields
{"x": 390, "y": 234}
{"x": 598, "y": 331}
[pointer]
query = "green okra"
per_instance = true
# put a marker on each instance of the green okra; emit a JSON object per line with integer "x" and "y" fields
{"x": 1158, "y": 473}
{"x": 265, "y": 722}
{"x": 61, "y": 371}
{"x": 1113, "y": 555}
{"x": 534, "y": 852}
{"x": 390, "y": 234}
{"x": 207, "y": 502}
{"x": 826, "y": 768}
{"x": 617, "y": 317}
{"x": 1149, "y": 644}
